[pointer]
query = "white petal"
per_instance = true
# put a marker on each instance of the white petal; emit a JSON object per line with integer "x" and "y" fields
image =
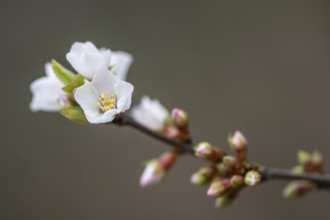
{"x": 46, "y": 92}
{"x": 150, "y": 113}
{"x": 121, "y": 62}
{"x": 86, "y": 59}
{"x": 87, "y": 98}
{"x": 123, "y": 91}
{"x": 104, "y": 81}
{"x": 105, "y": 117}
{"x": 79, "y": 47}
{"x": 49, "y": 71}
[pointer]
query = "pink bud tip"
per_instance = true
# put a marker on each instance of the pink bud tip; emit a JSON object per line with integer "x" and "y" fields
{"x": 152, "y": 174}
{"x": 204, "y": 151}
{"x": 211, "y": 192}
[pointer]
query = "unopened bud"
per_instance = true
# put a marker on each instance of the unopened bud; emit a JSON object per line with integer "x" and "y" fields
{"x": 252, "y": 178}
{"x": 312, "y": 162}
{"x": 229, "y": 160}
{"x": 223, "y": 170}
{"x": 225, "y": 200}
{"x": 219, "y": 187}
{"x": 239, "y": 145}
{"x": 237, "y": 181}
{"x": 298, "y": 189}
{"x": 303, "y": 157}
{"x": 156, "y": 169}
{"x": 317, "y": 157}
{"x": 167, "y": 159}
{"x": 237, "y": 140}
{"x": 203, "y": 175}
{"x": 317, "y": 160}
{"x": 179, "y": 117}
{"x": 206, "y": 151}
{"x": 152, "y": 173}
{"x": 229, "y": 166}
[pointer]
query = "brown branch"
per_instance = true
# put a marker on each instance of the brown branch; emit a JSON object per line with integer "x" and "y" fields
{"x": 323, "y": 181}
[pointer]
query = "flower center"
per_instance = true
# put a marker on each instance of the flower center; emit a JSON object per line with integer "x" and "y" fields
{"x": 106, "y": 101}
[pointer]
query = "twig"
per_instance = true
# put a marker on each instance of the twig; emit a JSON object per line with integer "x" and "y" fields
{"x": 323, "y": 181}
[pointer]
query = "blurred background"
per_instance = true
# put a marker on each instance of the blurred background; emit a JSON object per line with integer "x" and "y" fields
{"x": 258, "y": 66}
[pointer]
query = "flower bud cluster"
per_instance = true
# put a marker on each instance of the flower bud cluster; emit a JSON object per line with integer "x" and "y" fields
{"x": 307, "y": 163}
{"x": 226, "y": 175}
{"x": 176, "y": 126}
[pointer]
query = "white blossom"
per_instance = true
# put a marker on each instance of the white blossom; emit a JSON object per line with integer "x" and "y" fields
{"x": 120, "y": 63}
{"x": 104, "y": 97}
{"x": 47, "y": 92}
{"x": 86, "y": 59}
{"x": 150, "y": 113}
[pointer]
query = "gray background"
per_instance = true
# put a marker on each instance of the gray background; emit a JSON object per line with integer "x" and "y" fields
{"x": 258, "y": 66}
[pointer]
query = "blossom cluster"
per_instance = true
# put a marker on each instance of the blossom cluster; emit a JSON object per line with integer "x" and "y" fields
{"x": 97, "y": 91}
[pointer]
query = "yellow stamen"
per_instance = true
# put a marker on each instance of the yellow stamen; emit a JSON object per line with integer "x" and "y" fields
{"x": 106, "y": 101}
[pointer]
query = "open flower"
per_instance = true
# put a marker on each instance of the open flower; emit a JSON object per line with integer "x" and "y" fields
{"x": 104, "y": 97}
{"x": 150, "y": 113}
{"x": 47, "y": 92}
{"x": 86, "y": 59}
{"x": 120, "y": 63}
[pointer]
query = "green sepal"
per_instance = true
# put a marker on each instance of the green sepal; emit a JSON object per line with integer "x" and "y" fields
{"x": 74, "y": 113}
{"x": 62, "y": 73}
{"x": 76, "y": 81}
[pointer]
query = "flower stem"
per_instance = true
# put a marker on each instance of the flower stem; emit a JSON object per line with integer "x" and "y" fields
{"x": 323, "y": 181}
{"x": 181, "y": 146}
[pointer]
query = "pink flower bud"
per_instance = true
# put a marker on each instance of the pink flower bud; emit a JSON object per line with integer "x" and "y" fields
{"x": 179, "y": 117}
{"x": 238, "y": 139}
{"x": 298, "y": 189}
{"x": 219, "y": 187}
{"x": 152, "y": 173}
{"x": 156, "y": 169}
{"x": 206, "y": 151}
{"x": 239, "y": 145}
{"x": 167, "y": 159}
{"x": 252, "y": 178}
